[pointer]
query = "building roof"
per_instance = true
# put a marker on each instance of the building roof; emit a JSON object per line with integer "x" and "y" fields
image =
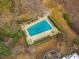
{"x": 74, "y": 56}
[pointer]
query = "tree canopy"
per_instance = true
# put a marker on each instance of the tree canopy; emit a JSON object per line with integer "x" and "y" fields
{"x": 4, "y": 50}
{"x": 67, "y": 17}
{"x": 76, "y": 41}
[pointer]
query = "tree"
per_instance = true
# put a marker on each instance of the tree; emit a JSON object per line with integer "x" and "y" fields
{"x": 72, "y": 23}
{"x": 76, "y": 41}
{"x": 67, "y": 17}
{"x": 1, "y": 38}
{"x": 4, "y": 50}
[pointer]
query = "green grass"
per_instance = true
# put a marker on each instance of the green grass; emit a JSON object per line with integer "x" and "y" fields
{"x": 6, "y": 4}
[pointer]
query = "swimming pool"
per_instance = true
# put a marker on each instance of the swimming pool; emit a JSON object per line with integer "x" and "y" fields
{"x": 38, "y": 28}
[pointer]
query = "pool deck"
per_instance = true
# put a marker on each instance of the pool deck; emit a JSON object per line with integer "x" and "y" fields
{"x": 44, "y": 34}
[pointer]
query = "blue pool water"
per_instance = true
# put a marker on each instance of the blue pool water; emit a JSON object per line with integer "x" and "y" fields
{"x": 40, "y": 27}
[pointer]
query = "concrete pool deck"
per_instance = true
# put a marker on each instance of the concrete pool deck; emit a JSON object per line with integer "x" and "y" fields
{"x": 44, "y": 34}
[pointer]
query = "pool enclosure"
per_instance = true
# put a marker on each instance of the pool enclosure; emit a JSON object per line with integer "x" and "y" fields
{"x": 38, "y": 30}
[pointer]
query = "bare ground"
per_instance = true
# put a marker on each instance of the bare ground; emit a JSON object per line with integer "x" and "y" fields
{"x": 72, "y": 6}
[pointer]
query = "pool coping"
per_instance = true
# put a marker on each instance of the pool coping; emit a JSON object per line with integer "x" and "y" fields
{"x": 39, "y": 41}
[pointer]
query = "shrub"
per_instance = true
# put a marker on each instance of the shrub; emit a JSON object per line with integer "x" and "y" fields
{"x": 76, "y": 41}
{"x": 67, "y": 17}
{"x": 4, "y": 50}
